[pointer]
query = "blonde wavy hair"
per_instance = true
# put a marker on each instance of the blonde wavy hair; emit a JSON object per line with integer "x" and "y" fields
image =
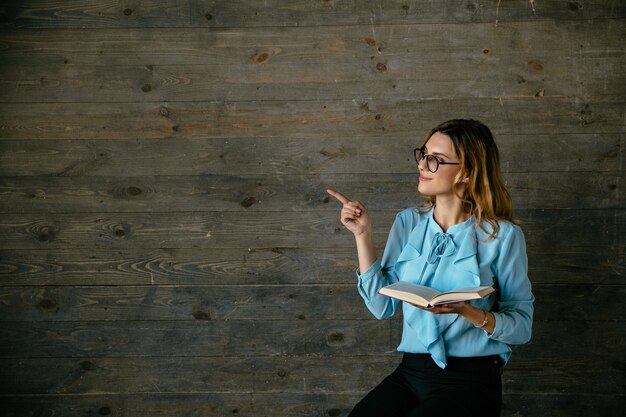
{"x": 484, "y": 195}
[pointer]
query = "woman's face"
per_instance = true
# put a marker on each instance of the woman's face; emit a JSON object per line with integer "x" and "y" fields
{"x": 438, "y": 183}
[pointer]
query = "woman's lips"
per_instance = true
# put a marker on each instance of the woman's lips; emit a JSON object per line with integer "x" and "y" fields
{"x": 424, "y": 178}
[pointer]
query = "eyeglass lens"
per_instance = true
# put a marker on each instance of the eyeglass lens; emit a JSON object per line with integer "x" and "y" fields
{"x": 432, "y": 163}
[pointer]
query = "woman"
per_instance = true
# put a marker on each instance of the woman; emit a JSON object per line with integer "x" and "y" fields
{"x": 465, "y": 236}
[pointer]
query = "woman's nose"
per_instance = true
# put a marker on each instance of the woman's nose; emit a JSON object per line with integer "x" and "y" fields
{"x": 422, "y": 164}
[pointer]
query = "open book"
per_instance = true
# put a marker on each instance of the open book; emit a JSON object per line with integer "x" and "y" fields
{"x": 428, "y": 297}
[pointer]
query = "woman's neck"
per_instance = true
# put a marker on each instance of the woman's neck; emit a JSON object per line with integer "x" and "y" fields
{"x": 449, "y": 212}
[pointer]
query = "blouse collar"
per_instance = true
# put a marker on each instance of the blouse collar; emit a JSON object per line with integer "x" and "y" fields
{"x": 464, "y": 234}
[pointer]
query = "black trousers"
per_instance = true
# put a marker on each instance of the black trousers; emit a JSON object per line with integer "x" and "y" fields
{"x": 418, "y": 387}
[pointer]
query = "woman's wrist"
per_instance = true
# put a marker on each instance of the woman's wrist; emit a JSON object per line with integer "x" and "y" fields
{"x": 482, "y": 319}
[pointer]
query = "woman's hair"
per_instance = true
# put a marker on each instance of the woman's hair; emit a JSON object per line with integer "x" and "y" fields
{"x": 484, "y": 195}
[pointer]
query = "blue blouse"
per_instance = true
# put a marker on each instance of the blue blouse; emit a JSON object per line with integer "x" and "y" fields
{"x": 419, "y": 251}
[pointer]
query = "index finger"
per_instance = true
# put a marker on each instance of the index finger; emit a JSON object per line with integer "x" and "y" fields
{"x": 342, "y": 198}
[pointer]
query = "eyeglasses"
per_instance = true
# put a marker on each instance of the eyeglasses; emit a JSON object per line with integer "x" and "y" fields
{"x": 432, "y": 163}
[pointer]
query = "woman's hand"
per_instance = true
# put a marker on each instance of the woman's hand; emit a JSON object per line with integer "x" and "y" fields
{"x": 449, "y": 308}
{"x": 354, "y": 215}
{"x": 355, "y": 218}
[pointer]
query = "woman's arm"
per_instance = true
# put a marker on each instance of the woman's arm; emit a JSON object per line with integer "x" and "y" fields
{"x": 514, "y": 317}
{"x": 372, "y": 275}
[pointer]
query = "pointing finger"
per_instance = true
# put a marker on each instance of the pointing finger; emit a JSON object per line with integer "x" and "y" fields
{"x": 342, "y": 198}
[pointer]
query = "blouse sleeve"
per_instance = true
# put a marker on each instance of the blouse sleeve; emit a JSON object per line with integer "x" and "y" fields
{"x": 515, "y": 313}
{"x": 382, "y": 273}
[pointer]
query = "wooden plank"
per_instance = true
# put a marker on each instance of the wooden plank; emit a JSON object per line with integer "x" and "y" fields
{"x": 216, "y": 302}
{"x": 274, "y": 193}
{"x": 252, "y": 60}
{"x": 261, "y": 302}
{"x": 275, "y": 338}
{"x": 563, "y": 77}
{"x": 300, "y": 120}
{"x": 301, "y": 229}
{"x": 552, "y": 264}
{"x": 579, "y": 41}
{"x": 211, "y": 158}
{"x": 198, "y": 375}
{"x": 282, "y": 405}
{"x": 283, "y": 13}
{"x": 278, "y": 375}
{"x": 199, "y": 337}
{"x": 92, "y": 266}
{"x": 570, "y": 264}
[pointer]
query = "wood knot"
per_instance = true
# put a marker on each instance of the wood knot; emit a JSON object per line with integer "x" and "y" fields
{"x": 586, "y": 109}
{"x": 333, "y": 412}
{"x": 122, "y": 230}
{"x": 133, "y": 190}
{"x": 47, "y": 234}
{"x": 208, "y": 16}
{"x": 248, "y": 202}
{"x": 164, "y": 111}
{"x": 146, "y": 88}
{"x": 574, "y": 6}
{"x": 282, "y": 373}
{"x": 370, "y": 41}
{"x": 104, "y": 411}
{"x": 260, "y": 58}
{"x": 535, "y": 66}
{"x": 128, "y": 12}
{"x": 201, "y": 315}
{"x": 86, "y": 365}
{"x": 381, "y": 67}
{"x": 339, "y": 153}
{"x": 336, "y": 338}
{"x": 47, "y": 305}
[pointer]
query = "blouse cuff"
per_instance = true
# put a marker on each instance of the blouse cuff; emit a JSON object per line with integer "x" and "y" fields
{"x": 370, "y": 273}
{"x": 497, "y": 328}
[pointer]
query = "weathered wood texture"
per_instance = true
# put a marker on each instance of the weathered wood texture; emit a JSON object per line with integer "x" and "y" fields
{"x": 166, "y": 245}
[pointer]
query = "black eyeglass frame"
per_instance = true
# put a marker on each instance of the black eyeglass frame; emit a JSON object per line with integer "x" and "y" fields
{"x": 428, "y": 157}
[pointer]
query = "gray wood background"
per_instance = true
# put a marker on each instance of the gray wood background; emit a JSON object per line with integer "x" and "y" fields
{"x": 166, "y": 245}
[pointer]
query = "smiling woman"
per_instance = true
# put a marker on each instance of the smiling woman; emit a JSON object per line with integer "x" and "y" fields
{"x": 463, "y": 237}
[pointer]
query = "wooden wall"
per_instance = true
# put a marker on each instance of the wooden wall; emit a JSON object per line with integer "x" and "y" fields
{"x": 166, "y": 245}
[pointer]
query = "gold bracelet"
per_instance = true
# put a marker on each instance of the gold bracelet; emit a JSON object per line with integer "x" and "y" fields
{"x": 485, "y": 321}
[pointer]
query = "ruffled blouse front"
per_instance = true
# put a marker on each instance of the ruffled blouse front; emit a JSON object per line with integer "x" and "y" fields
{"x": 419, "y": 251}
